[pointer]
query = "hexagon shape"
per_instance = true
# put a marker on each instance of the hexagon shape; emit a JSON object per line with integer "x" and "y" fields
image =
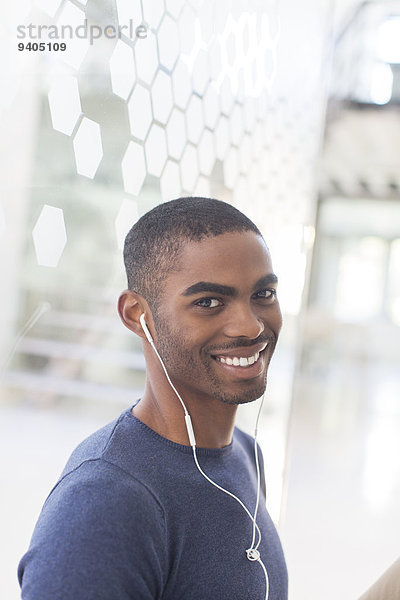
{"x": 181, "y": 84}
{"x": 252, "y": 76}
{"x": 176, "y": 133}
{"x": 133, "y": 168}
{"x": 269, "y": 64}
{"x": 139, "y": 110}
{"x": 174, "y": 7}
{"x": 236, "y": 125}
{"x": 221, "y": 15}
{"x": 231, "y": 49}
{"x": 245, "y": 35}
{"x": 161, "y": 94}
{"x": 146, "y": 58}
{"x": 206, "y": 152}
{"x": 222, "y": 138}
{"x": 249, "y": 114}
{"x": 187, "y": 29}
{"x": 231, "y": 168}
{"x": 241, "y": 194}
{"x": 239, "y": 86}
{"x": 226, "y": 96}
{"x": 50, "y": 7}
{"x": 252, "y": 179}
{"x": 257, "y": 141}
{"x": 202, "y": 188}
{"x": 156, "y": 150}
{"x": 263, "y": 172}
{"x": 201, "y": 72}
{"x": 273, "y": 22}
{"x": 88, "y": 148}
{"x": 153, "y": 12}
{"x": 194, "y": 119}
{"x": 170, "y": 183}
{"x": 129, "y": 12}
{"x": 168, "y": 42}
{"x": 65, "y": 103}
{"x": 245, "y": 153}
{"x": 216, "y": 62}
{"x": 211, "y": 106}
{"x": 49, "y": 236}
{"x": 189, "y": 168}
{"x": 207, "y": 22}
{"x": 127, "y": 215}
{"x": 240, "y": 20}
{"x": 197, "y": 4}
{"x": 263, "y": 102}
{"x": 259, "y": 76}
{"x": 122, "y": 70}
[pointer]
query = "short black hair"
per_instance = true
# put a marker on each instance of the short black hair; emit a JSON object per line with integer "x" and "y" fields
{"x": 153, "y": 244}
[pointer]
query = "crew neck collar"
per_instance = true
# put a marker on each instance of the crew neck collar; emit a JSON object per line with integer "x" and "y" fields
{"x": 179, "y": 447}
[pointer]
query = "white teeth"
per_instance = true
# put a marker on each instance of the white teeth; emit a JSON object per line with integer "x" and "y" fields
{"x": 239, "y": 361}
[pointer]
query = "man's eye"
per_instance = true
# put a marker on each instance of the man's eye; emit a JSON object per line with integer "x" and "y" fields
{"x": 269, "y": 294}
{"x": 208, "y": 303}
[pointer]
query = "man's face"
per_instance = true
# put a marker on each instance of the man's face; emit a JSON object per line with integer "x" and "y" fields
{"x": 219, "y": 318}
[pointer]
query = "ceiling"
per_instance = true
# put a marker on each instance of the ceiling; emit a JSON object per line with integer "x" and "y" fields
{"x": 361, "y": 154}
{"x": 361, "y": 148}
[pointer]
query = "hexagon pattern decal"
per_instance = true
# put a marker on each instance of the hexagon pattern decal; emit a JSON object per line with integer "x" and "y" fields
{"x": 49, "y": 236}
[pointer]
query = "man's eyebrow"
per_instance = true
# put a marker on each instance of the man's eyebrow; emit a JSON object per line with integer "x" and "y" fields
{"x": 226, "y": 290}
{"x": 266, "y": 280}
{"x": 207, "y": 286}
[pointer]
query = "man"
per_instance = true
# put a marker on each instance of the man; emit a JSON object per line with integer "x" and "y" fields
{"x": 151, "y": 506}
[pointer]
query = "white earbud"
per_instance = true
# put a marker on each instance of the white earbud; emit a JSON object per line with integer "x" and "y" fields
{"x": 146, "y": 329}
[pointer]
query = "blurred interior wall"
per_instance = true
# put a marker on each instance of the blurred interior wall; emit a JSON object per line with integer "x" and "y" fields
{"x": 344, "y": 469}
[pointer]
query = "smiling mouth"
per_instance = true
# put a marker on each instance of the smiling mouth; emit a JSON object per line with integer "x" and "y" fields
{"x": 240, "y": 361}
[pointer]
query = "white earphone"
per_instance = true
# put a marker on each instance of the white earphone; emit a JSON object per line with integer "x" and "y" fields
{"x": 252, "y": 553}
{"x": 146, "y": 329}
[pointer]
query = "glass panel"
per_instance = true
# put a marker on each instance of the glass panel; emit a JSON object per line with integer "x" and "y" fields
{"x": 361, "y": 278}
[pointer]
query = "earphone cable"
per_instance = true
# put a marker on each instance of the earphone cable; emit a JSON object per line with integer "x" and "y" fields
{"x": 252, "y": 553}
{"x": 255, "y": 526}
{"x": 168, "y": 377}
{"x": 258, "y": 479}
{"x": 253, "y": 518}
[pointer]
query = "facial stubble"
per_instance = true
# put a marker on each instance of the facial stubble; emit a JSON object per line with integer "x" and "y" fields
{"x": 182, "y": 365}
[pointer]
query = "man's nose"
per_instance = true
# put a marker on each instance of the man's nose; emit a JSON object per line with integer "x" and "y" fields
{"x": 243, "y": 322}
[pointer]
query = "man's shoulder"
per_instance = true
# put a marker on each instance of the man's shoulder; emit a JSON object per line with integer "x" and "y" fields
{"x": 94, "y": 446}
{"x": 107, "y": 459}
{"x": 102, "y": 486}
{"x": 95, "y": 523}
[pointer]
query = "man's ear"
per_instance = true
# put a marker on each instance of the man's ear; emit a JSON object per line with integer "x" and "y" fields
{"x": 130, "y": 306}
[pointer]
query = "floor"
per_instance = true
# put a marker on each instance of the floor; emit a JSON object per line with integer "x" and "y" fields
{"x": 342, "y": 519}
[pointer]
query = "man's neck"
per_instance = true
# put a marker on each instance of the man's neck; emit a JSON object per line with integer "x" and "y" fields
{"x": 213, "y": 421}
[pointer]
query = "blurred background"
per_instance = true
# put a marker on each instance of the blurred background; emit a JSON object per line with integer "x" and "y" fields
{"x": 288, "y": 110}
